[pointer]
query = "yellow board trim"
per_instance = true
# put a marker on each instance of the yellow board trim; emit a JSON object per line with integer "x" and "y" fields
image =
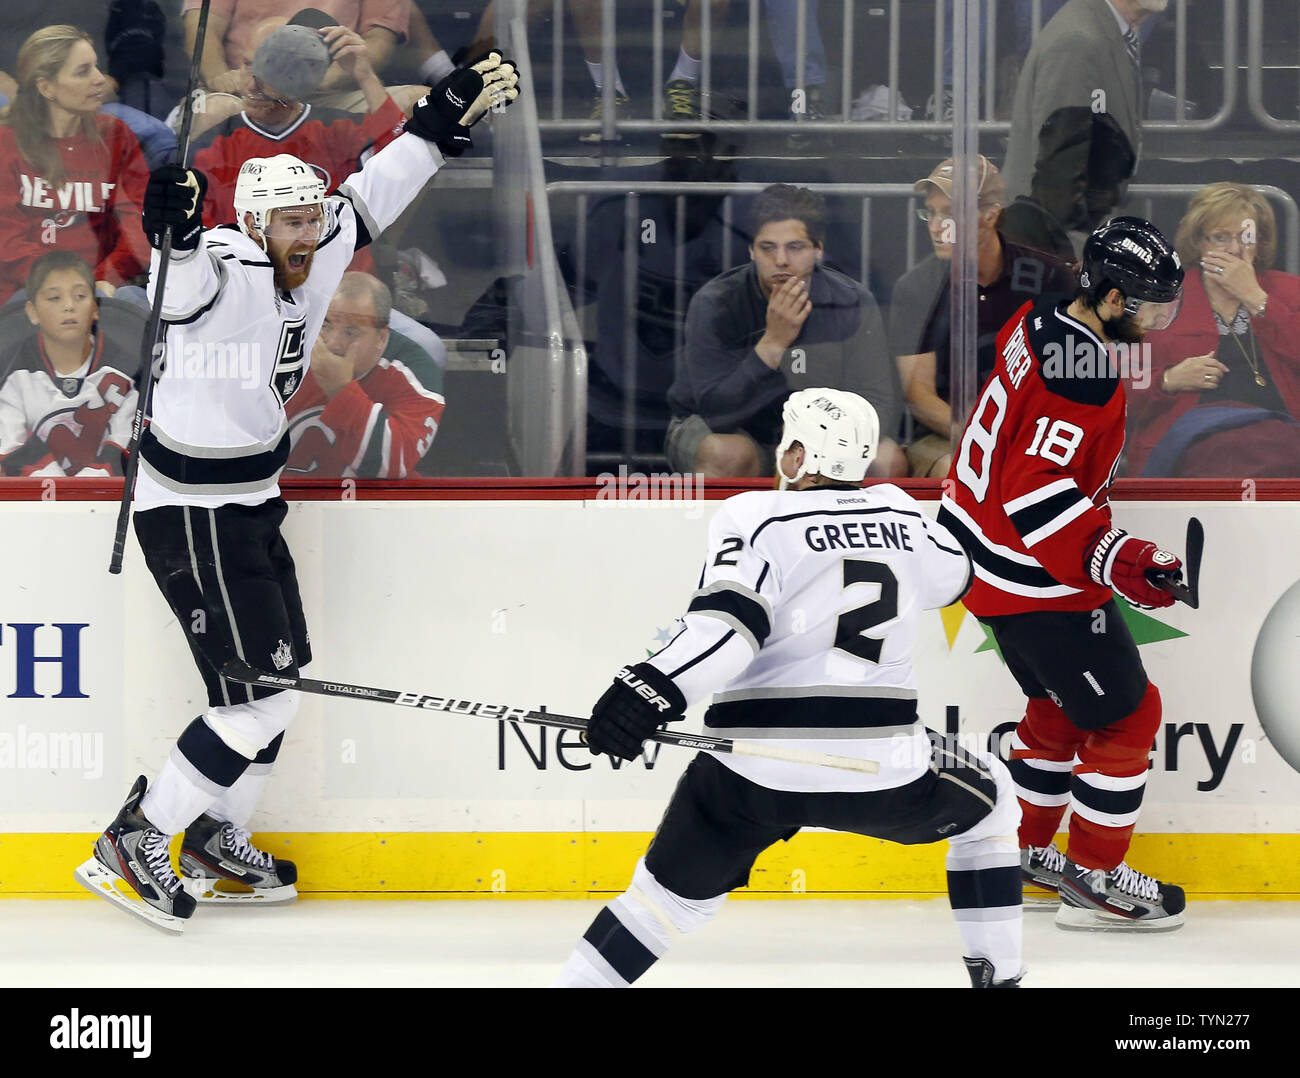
{"x": 587, "y": 865}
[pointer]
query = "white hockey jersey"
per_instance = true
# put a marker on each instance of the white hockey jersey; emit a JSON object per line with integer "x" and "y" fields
{"x": 238, "y": 348}
{"x": 59, "y": 425}
{"x": 803, "y": 626}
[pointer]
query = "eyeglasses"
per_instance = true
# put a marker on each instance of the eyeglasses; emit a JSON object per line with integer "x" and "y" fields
{"x": 926, "y": 215}
{"x": 259, "y": 92}
{"x": 1224, "y": 238}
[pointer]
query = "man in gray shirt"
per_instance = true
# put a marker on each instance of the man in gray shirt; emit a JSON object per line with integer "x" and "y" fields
{"x": 780, "y": 323}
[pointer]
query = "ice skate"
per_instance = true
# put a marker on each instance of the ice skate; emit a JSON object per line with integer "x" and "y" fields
{"x": 981, "y": 974}
{"x": 220, "y": 864}
{"x": 1040, "y": 872}
{"x": 132, "y": 868}
{"x": 1122, "y": 899}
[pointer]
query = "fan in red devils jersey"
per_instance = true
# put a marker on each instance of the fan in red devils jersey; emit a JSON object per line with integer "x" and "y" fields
{"x": 1027, "y": 498}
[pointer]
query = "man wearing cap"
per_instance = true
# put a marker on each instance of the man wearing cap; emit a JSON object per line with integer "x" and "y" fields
{"x": 287, "y": 67}
{"x": 1008, "y": 276}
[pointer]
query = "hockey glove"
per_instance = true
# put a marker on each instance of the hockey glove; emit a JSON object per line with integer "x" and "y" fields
{"x": 446, "y": 113}
{"x": 174, "y": 196}
{"x": 1121, "y": 561}
{"x": 641, "y": 700}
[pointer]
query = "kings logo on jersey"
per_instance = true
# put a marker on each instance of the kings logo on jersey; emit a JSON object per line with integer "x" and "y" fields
{"x": 286, "y": 375}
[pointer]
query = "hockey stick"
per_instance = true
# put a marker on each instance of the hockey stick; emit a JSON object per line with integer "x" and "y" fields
{"x": 155, "y": 331}
{"x": 211, "y": 641}
{"x": 1173, "y": 582}
{"x": 238, "y": 670}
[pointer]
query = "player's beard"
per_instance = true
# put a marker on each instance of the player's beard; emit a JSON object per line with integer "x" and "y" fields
{"x": 1124, "y": 329}
{"x": 288, "y": 278}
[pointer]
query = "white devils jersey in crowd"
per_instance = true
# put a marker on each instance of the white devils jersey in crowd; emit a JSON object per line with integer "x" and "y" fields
{"x": 238, "y": 348}
{"x": 803, "y": 626}
{"x": 77, "y": 424}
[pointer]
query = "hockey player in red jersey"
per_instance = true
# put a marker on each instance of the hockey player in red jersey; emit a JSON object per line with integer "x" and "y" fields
{"x": 1027, "y": 497}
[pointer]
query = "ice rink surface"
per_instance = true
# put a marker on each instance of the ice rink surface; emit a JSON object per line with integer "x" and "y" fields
{"x": 522, "y": 944}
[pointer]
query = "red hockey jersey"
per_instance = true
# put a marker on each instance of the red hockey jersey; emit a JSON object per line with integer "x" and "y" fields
{"x": 377, "y": 427}
{"x": 329, "y": 140}
{"x": 1027, "y": 491}
{"x": 95, "y": 212}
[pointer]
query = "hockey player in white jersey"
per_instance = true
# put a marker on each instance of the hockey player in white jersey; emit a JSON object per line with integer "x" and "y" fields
{"x": 802, "y": 629}
{"x": 244, "y": 304}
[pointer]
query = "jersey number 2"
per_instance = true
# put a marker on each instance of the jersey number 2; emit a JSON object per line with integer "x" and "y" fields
{"x": 852, "y": 626}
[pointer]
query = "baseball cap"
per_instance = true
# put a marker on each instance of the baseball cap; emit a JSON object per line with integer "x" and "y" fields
{"x": 991, "y": 188}
{"x": 313, "y": 18}
{"x": 292, "y": 61}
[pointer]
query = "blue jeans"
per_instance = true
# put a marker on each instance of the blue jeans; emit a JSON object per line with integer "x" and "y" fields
{"x": 783, "y": 25}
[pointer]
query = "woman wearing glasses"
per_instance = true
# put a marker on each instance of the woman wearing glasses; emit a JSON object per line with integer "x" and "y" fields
{"x": 1223, "y": 393}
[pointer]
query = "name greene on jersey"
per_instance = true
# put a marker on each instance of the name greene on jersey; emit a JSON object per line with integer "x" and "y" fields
{"x": 1027, "y": 493}
{"x": 858, "y": 535}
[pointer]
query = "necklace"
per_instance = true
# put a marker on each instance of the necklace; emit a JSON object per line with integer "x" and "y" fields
{"x": 1251, "y": 357}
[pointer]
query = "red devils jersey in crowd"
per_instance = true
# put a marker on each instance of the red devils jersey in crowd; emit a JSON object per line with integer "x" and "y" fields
{"x": 1027, "y": 491}
{"x": 377, "y": 427}
{"x": 94, "y": 212}
{"x": 329, "y": 140}
{"x": 54, "y": 424}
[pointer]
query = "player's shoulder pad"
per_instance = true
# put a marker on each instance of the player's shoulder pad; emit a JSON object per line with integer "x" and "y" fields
{"x": 742, "y": 513}
{"x": 1072, "y": 361}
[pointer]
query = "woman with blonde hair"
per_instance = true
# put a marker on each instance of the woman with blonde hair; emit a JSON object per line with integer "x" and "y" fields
{"x": 1223, "y": 393}
{"x": 71, "y": 177}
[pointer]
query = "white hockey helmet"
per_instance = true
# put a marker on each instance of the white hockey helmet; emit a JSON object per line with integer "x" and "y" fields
{"x": 839, "y": 432}
{"x": 274, "y": 183}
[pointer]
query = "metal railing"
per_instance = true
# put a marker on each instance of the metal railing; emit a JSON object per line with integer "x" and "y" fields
{"x": 868, "y": 193}
{"x": 609, "y": 125}
{"x": 1255, "y": 73}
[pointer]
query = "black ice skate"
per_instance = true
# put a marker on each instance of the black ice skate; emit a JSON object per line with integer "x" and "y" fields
{"x": 132, "y": 868}
{"x": 981, "y": 974}
{"x": 1122, "y": 899}
{"x": 1040, "y": 874}
{"x": 220, "y": 864}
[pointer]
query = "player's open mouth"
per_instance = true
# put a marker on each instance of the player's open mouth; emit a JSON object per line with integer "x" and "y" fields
{"x": 297, "y": 262}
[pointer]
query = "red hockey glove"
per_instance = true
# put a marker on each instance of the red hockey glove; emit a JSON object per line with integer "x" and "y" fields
{"x": 1121, "y": 561}
{"x": 641, "y": 700}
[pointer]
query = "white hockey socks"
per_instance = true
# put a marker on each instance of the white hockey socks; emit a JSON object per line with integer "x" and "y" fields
{"x": 687, "y": 68}
{"x": 632, "y": 933}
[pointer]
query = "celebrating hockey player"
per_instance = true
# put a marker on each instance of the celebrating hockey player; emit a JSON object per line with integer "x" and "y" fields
{"x": 207, "y": 501}
{"x": 1027, "y": 498}
{"x": 802, "y": 629}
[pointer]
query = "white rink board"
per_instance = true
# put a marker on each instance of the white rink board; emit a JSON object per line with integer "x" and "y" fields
{"x": 537, "y": 603}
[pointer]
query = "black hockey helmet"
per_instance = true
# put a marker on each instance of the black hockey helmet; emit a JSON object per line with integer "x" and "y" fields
{"x": 1131, "y": 254}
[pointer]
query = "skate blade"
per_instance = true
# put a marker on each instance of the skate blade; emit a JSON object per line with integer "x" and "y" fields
{"x": 1080, "y": 919}
{"x": 98, "y": 880}
{"x": 223, "y": 892}
{"x": 1039, "y": 900}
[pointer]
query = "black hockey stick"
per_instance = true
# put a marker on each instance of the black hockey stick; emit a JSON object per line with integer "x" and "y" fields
{"x": 152, "y": 344}
{"x": 1188, "y": 592}
{"x": 205, "y": 630}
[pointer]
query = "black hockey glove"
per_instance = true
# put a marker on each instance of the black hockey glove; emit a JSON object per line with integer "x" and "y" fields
{"x": 641, "y": 700}
{"x": 446, "y": 113}
{"x": 174, "y": 196}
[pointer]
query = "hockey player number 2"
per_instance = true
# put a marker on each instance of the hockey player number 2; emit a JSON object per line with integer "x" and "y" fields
{"x": 852, "y": 625}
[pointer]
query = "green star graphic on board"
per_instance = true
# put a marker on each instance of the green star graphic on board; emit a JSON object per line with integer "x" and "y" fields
{"x": 1145, "y": 629}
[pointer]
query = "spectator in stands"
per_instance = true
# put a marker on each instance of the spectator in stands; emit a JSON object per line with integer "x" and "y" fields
{"x": 68, "y": 393}
{"x": 71, "y": 177}
{"x": 287, "y": 66}
{"x": 1222, "y": 396}
{"x": 1009, "y": 275}
{"x": 361, "y": 412}
{"x": 779, "y": 323}
{"x": 228, "y": 43}
{"x": 1086, "y": 57}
